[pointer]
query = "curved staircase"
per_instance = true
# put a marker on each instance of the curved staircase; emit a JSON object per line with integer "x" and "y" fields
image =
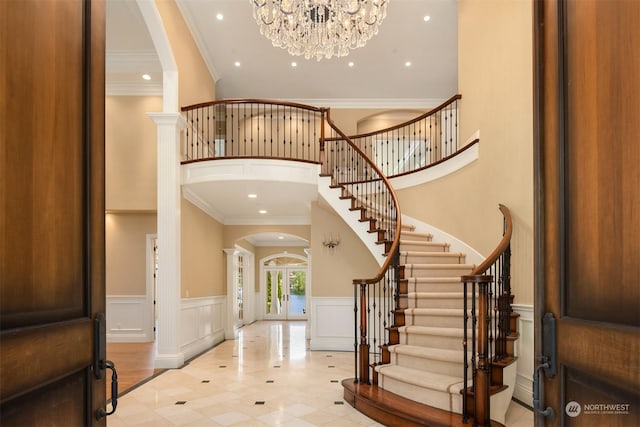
{"x": 427, "y": 364}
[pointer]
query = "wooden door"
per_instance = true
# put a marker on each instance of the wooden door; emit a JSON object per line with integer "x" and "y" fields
{"x": 52, "y": 210}
{"x": 588, "y": 207}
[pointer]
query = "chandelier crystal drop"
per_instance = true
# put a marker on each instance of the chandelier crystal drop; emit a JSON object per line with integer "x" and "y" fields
{"x": 319, "y": 28}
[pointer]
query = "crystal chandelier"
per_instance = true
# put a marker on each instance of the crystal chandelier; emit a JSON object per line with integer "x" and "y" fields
{"x": 319, "y": 28}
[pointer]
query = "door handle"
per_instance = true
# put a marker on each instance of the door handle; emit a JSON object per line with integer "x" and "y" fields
{"x": 548, "y": 365}
{"x": 100, "y": 364}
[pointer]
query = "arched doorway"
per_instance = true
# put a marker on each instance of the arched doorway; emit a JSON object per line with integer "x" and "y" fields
{"x": 284, "y": 284}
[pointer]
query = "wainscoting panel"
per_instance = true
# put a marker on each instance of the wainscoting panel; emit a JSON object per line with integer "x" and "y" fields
{"x": 524, "y": 350}
{"x": 129, "y": 318}
{"x": 201, "y": 324}
{"x": 332, "y": 324}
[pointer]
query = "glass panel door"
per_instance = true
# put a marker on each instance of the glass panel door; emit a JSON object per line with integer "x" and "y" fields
{"x": 285, "y": 293}
{"x": 297, "y": 290}
{"x": 274, "y": 293}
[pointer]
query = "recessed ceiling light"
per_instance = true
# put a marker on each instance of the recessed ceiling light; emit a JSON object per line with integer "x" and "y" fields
{"x": 146, "y": 76}
{"x": 294, "y": 64}
{"x": 262, "y": 211}
{"x": 351, "y": 64}
{"x": 427, "y": 18}
{"x": 219, "y": 16}
{"x": 407, "y": 64}
{"x": 281, "y": 237}
{"x": 252, "y": 196}
{"x": 237, "y": 63}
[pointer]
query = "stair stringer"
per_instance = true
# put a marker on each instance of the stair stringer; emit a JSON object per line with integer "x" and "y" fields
{"x": 352, "y": 218}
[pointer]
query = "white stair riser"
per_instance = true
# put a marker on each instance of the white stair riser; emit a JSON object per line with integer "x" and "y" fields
{"x": 428, "y": 271}
{"x": 434, "y": 321}
{"x": 418, "y": 286}
{"x": 436, "y": 341}
{"x": 411, "y": 235}
{"x": 424, "y": 247}
{"x": 452, "y": 367}
{"x": 444, "y": 258}
{"x": 435, "y": 398}
{"x": 422, "y": 302}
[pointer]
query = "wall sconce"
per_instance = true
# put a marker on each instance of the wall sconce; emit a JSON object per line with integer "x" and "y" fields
{"x": 331, "y": 242}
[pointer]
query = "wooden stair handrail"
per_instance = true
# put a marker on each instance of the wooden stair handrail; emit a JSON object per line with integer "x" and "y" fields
{"x": 499, "y": 250}
{"x": 396, "y": 240}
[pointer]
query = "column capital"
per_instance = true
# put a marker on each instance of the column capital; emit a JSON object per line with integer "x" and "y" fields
{"x": 168, "y": 119}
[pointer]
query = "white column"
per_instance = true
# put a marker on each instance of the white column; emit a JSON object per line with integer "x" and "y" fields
{"x": 230, "y": 326}
{"x": 169, "y": 354}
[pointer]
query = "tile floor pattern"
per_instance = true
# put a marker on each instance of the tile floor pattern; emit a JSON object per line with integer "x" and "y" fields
{"x": 266, "y": 377}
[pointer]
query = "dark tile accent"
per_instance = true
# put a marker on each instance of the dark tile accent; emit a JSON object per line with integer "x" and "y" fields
{"x": 331, "y": 366}
{"x": 329, "y": 355}
{"x": 259, "y": 402}
{"x": 206, "y": 381}
{"x": 181, "y": 402}
{"x": 270, "y": 381}
{"x": 222, "y": 366}
{"x": 334, "y": 381}
{"x": 338, "y": 402}
{"x": 276, "y": 366}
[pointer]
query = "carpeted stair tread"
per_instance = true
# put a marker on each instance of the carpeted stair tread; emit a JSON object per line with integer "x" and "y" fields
{"x": 452, "y": 312}
{"x": 436, "y": 295}
{"x": 432, "y": 330}
{"x": 428, "y": 380}
{"x": 414, "y": 235}
{"x": 446, "y": 355}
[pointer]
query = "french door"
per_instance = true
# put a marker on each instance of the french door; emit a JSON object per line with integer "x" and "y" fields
{"x": 285, "y": 295}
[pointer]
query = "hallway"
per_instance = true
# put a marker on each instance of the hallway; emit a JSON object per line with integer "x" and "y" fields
{"x": 264, "y": 378}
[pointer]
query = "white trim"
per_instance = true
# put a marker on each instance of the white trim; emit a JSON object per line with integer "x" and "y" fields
{"x": 445, "y": 168}
{"x": 332, "y": 324}
{"x": 523, "y": 389}
{"x": 126, "y": 320}
{"x": 202, "y": 324}
{"x": 351, "y": 217}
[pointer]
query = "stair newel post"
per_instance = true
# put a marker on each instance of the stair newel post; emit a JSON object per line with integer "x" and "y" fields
{"x": 355, "y": 331}
{"x": 364, "y": 344}
{"x": 483, "y": 372}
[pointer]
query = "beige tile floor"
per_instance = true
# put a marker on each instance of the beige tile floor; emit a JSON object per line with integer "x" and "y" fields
{"x": 266, "y": 377}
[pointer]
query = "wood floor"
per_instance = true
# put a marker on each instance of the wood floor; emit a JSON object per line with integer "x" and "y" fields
{"x": 134, "y": 363}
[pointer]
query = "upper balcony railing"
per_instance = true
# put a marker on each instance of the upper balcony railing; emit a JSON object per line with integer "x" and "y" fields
{"x": 416, "y": 144}
{"x": 253, "y": 128}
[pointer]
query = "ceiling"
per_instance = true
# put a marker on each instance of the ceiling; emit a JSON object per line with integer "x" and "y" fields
{"x": 378, "y": 78}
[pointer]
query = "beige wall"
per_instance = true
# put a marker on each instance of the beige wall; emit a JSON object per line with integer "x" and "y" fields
{"x": 130, "y": 149}
{"x": 495, "y": 80}
{"x": 346, "y": 119}
{"x": 333, "y": 270}
{"x": 202, "y": 255}
{"x": 126, "y": 252}
{"x": 194, "y": 80}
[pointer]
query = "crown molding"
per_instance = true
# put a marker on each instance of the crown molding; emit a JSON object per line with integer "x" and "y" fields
{"x": 389, "y": 103}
